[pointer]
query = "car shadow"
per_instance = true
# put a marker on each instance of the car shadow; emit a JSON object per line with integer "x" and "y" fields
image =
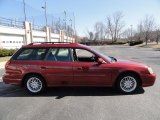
{"x": 61, "y": 92}
{"x": 87, "y": 91}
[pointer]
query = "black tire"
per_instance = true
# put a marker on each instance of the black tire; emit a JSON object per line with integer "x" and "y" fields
{"x": 127, "y": 83}
{"x": 35, "y": 81}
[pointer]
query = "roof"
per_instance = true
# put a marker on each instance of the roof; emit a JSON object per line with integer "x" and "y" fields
{"x": 53, "y": 44}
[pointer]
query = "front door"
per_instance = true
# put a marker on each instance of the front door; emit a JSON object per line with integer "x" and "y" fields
{"x": 87, "y": 71}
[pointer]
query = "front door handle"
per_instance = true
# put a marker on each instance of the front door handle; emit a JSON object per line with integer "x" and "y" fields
{"x": 79, "y": 68}
{"x": 43, "y": 67}
{"x": 83, "y": 68}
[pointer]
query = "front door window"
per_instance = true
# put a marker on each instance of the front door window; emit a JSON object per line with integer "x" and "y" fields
{"x": 81, "y": 55}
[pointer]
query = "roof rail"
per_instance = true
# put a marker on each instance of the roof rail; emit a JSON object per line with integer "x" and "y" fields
{"x": 48, "y": 43}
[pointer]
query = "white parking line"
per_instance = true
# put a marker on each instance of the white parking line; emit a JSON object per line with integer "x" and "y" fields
{"x": 2, "y": 65}
{"x": 0, "y": 79}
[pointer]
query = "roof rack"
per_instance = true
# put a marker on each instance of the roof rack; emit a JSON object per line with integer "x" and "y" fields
{"x": 49, "y": 43}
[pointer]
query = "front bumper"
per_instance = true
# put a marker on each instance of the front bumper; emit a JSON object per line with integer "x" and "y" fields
{"x": 148, "y": 79}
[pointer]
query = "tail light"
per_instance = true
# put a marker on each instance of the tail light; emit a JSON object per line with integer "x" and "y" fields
{"x": 7, "y": 63}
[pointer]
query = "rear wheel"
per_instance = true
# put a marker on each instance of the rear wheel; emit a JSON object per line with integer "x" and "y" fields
{"x": 35, "y": 84}
{"x": 128, "y": 83}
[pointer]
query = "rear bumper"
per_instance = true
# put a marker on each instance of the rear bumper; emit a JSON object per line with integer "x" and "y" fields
{"x": 9, "y": 79}
{"x": 148, "y": 80}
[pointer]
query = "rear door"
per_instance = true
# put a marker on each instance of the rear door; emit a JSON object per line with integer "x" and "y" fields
{"x": 57, "y": 67}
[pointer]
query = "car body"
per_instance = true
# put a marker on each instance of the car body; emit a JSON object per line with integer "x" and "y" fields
{"x": 37, "y": 66}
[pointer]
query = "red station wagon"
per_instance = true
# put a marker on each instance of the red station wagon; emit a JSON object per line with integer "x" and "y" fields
{"x": 40, "y": 65}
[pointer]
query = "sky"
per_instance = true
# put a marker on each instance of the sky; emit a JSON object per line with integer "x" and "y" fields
{"x": 87, "y": 12}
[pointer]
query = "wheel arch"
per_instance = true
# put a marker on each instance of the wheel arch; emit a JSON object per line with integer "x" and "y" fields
{"x": 32, "y": 73}
{"x": 128, "y": 72}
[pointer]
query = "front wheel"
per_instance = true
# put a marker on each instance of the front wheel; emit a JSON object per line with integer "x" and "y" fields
{"x": 128, "y": 83}
{"x": 34, "y": 84}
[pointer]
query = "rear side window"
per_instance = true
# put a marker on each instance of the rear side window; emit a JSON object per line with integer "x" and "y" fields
{"x": 31, "y": 54}
{"x": 39, "y": 54}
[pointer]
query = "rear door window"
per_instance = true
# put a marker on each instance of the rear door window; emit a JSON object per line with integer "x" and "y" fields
{"x": 59, "y": 54}
{"x": 63, "y": 55}
{"x": 52, "y": 55}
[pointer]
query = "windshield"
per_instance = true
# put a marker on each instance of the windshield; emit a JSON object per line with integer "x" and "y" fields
{"x": 102, "y": 54}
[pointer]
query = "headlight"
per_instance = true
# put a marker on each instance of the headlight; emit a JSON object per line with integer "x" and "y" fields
{"x": 150, "y": 70}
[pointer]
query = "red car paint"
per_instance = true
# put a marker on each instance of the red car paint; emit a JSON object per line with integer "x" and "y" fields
{"x": 75, "y": 73}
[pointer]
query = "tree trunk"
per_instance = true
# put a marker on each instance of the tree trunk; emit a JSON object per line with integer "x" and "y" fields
{"x": 157, "y": 41}
{"x": 146, "y": 41}
{"x": 112, "y": 39}
{"x": 147, "y": 37}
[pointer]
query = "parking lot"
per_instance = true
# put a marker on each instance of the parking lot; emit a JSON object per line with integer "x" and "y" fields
{"x": 87, "y": 103}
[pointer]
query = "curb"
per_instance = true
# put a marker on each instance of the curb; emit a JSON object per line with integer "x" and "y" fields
{"x": 2, "y": 65}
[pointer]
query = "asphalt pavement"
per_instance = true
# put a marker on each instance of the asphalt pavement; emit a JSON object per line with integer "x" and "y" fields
{"x": 87, "y": 103}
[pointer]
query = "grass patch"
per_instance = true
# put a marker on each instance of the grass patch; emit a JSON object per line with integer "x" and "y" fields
{"x": 3, "y": 59}
{"x": 156, "y": 46}
{"x": 151, "y": 46}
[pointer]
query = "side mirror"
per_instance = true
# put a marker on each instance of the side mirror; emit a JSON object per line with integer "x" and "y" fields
{"x": 100, "y": 61}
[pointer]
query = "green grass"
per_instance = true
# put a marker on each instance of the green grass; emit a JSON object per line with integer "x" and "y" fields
{"x": 2, "y": 59}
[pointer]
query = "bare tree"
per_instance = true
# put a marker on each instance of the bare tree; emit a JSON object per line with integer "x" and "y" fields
{"x": 139, "y": 34}
{"x": 147, "y": 27}
{"x": 127, "y": 33}
{"x": 90, "y": 35}
{"x": 96, "y": 36}
{"x": 99, "y": 31}
{"x": 110, "y": 27}
{"x": 157, "y": 35}
{"x": 115, "y": 25}
{"x": 70, "y": 30}
{"x": 57, "y": 27}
